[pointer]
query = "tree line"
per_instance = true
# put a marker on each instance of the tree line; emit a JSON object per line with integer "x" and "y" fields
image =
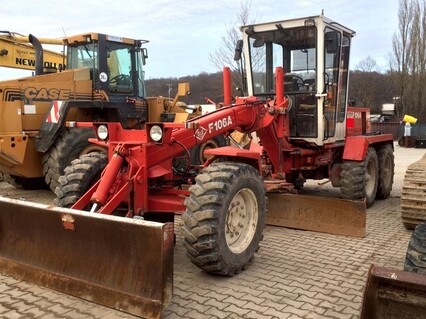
{"x": 368, "y": 88}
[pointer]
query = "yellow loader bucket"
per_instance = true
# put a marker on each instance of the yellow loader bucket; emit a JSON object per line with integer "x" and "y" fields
{"x": 122, "y": 263}
{"x": 393, "y": 294}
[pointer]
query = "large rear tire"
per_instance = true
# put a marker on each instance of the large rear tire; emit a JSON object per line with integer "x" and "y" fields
{"x": 386, "y": 171}
{"x": 359, "y": 180}
{"x": 70, "y": 144}
{"x": 415, "y": 260}
{"x": 224, "y": 218}
{"x": 82, "y": 174}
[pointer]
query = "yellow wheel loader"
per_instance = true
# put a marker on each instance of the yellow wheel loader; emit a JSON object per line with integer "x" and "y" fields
{"x": 98, "y": 78}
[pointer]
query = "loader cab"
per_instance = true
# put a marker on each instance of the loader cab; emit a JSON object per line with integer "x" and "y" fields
{"x": 116, "y": 64}
{"x": 314, "y": 53}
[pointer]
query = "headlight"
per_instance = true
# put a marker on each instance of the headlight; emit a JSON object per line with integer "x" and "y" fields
{"x": 156, "y": 133}
{"x": 102, "y": 132}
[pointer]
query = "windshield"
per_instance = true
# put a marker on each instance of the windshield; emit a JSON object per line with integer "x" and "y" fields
{"x": 82, "y": 56}
{"x": 123, "y": 68}
{"x": 119, "y": 61}
{"x": 294, "y": 49}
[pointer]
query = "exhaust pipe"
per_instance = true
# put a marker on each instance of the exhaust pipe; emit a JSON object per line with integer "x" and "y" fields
{"x": 38, "y": 54}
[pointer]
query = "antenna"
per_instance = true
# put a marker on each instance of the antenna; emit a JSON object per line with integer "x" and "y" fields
{"x": 63, "y": 30}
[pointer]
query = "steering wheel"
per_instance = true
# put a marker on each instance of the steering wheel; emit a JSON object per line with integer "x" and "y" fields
{"x": 299, "y": 80}
{"x": 120, "y": 79}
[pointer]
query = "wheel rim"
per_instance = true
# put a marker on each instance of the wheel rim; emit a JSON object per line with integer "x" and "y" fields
{"x": 241, "y": 220}
{"x": 387, "y": 170}
{"x": 370, "y": 178}
{"x": 206, "y": 146}
{"x": 93, "y": 148}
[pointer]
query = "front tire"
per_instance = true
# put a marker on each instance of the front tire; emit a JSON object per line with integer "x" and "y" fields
{"x": 224, "y": 218}
{"x": 70, "y": 144}
{"x": 82, "y": 174}
{"x": 359, "y": 180}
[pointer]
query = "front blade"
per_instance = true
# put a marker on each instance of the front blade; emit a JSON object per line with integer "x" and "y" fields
{"x": 321, "y": 214}
{"x": 118, "y": 262}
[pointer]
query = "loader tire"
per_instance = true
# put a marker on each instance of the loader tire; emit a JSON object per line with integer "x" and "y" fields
{"x": 79, "y": 177}
{"x": 224, "y": 218}
{"x": 70, "y": 144}
{"x": 386, "y": 171}
{"x": 415, "y": 259}
{"x": 359, "y": 180}
{"x": 25, "y": 183}
{"x": 197, "y": 152}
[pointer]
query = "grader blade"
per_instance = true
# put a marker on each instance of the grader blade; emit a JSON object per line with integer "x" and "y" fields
{"x": 321, "y": 214}
{"x": 122, "y": 263}
{"x": 392, "y": 294}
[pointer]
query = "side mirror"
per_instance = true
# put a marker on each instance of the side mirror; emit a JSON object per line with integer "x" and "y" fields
{"x": 258, "y": 43}
{"x": 332, "y": 41}
{"x": 144, "y": 55}
{"x": 238, "y": 50}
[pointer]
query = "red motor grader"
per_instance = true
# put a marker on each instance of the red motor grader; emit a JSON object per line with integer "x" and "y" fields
{"x": 296, "y": 104}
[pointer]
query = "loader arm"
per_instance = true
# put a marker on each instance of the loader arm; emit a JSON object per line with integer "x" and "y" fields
{"x": 16, "y": 51}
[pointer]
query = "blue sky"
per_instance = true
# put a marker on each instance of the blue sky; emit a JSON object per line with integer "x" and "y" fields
{"x": 183, "y": 34}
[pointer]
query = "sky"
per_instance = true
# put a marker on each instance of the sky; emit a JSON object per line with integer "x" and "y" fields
{"x": 183, "y": 34}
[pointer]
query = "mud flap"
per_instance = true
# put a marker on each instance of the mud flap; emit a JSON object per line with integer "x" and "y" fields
{"x": 321, "y": 214}
{"x": 393, "y": 294}
{"x": 118, "y": 262}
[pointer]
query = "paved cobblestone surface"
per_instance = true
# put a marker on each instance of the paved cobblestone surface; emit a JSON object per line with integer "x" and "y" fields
{"x": 296, "y": 274}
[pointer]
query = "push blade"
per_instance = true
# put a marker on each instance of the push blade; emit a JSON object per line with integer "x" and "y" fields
{"x": 321, "y": 214}
{"x": 118, "y": 262}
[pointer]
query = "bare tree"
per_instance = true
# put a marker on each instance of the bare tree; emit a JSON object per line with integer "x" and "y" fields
{"x": 224, "y": 55}
{"x": 367, "y": 65}
{"x": 408, "y": 59}
{"x": 366, "y": 86}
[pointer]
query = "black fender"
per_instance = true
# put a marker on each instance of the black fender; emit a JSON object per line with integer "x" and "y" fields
{"x": 53, "y": 121}
{"x": 105, "y": 111}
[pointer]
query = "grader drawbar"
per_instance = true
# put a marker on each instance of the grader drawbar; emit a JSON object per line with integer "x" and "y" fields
{"x": 103, "y": 259}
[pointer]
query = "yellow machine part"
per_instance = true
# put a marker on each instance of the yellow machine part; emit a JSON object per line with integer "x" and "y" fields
{"x": 118, "y": 262}
{"x": 16, "y": 52}
{"x": 413, "y": 198}
{"x": 22, "y": 114}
